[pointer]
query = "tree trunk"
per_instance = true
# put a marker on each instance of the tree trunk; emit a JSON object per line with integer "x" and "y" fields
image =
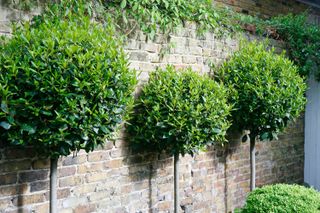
{"x": 176, "y": 183}
{"x": 53, "y": 185}
{"x": 253, "y": 163}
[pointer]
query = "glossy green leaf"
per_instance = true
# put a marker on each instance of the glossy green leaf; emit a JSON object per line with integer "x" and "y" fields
{"x": 5, "y": 125}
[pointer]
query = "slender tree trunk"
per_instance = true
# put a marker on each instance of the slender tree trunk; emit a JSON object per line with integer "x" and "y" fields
{"x": 53, "y": 185}
{"x": 253, "y": 163}
{"x": 176, "y": 183}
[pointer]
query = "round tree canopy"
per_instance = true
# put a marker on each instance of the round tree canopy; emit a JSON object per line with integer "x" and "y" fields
{"x": 267, "y": 91}
{"x": 64, "y": 85}
{"x": 180, "y": 112}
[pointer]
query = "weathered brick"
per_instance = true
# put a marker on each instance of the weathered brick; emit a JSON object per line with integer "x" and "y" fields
{"x": 41, "y": 164}
{"x": 85, "y": 189}
{"x": 169, "y": 58}
{"x": 150, "y": 47}
{"x": 98, "y": 156}
{"x": 190, "y": 59}
{"x": 121, "y": 143}
{"x": 8, "y": 179}
{"x": 74, "y": 202}
{"x": 195, "y": 50}
{"x": 96, "y": 177}
{"x": 93, "y": 167}
{"x": 138, "y": 56}
{"x": 4, "y": 203}
{"x": 8, "y": 190}
{"x": 116, "y": 163}
{"x": 70, "y": 181}
{"x": 32, "y": 176}
{"x": 85, "y": 209}
{"x": 29, "y": 199}
{"x": 165, "y": 205}
{"x": 71, "y": 160}
{"x": 132, "y": 44}
{"x": 42, "y": 208}
{"x": 66, "y": 210}
{"x": 63, "y": 193}
{"x": 11, "y": 166}
{"x": 67, "y": 171}
{"x": 39, "y": 186}
{"x": 11, "y": 153}
{"x": 116, "y": 153}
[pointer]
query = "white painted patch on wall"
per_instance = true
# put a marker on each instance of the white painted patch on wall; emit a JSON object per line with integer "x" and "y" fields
{"x": 312, "y": 135}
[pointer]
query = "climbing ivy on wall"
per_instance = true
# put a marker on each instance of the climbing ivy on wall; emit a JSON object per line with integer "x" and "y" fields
{"x": 152, "y": 16}
{"x": 24, "y": 5}
{"x": 167, "y": 15}
{"x": 302, "y": 38}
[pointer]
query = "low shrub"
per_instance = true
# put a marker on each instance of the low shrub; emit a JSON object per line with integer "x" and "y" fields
{"x": 282, "y": 198}
{"x": 180, "y": 112}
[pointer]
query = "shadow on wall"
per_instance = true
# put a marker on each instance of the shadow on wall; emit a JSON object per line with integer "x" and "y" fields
{"x": 149, "y": 177}
{"x": 207, "y": 182}
{"x": 117, "y": 178}
{"x": 23, "y": 181}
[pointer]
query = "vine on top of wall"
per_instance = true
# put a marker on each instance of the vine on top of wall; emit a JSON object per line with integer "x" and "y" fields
{"x": 170, "y": 14}
{"x": 302, "y": 38}
{"x": 23, "y": 5}
{"x": 150, "y": 16}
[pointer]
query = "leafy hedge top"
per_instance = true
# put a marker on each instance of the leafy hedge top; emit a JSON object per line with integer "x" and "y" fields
{"x": 180, "y": 112}
{"x": 267, "y": 90}
{"x": 282, "y": 198}
{"x": 64, "y": 85}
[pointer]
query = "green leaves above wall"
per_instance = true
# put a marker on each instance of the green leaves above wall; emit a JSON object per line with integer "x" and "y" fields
{"x": 301, "y": 36}
{"x": 167, "y": 15}
{"x": 180, "y": 112}
{"x": 64, "y": 85}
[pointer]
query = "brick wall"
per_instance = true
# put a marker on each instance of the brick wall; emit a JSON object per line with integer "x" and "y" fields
{"x": 114, "y": 179}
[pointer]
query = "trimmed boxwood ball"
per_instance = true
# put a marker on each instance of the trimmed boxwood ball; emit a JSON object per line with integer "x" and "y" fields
{"x": 282, "y": 198}
{"x": 266, "y": 90}
{"x": 64, "y": 85}
{"x": 180, "y": 112}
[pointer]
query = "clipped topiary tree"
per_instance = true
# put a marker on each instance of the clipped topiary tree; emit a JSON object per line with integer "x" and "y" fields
{"x": 282, "y": 198}
{"x": 266, "y": 91}
{"x": 179, "y": 112}
{"x": 64, "y": 86}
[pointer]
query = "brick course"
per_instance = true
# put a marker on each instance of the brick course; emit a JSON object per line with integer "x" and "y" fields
{"x": 115, "y": 179}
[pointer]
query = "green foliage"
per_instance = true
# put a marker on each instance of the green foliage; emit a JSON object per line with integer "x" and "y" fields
{"x": 302, "y": 38}
{"x": 24, "y": 5}
{"x": 64, "y": 85}
{"x": 282, "y": 198}
{"x": 267, "y": 91}
{"x": 169, "y": 14}
{"x": 70, "y": 9}
{"x": 180, "y": 112}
